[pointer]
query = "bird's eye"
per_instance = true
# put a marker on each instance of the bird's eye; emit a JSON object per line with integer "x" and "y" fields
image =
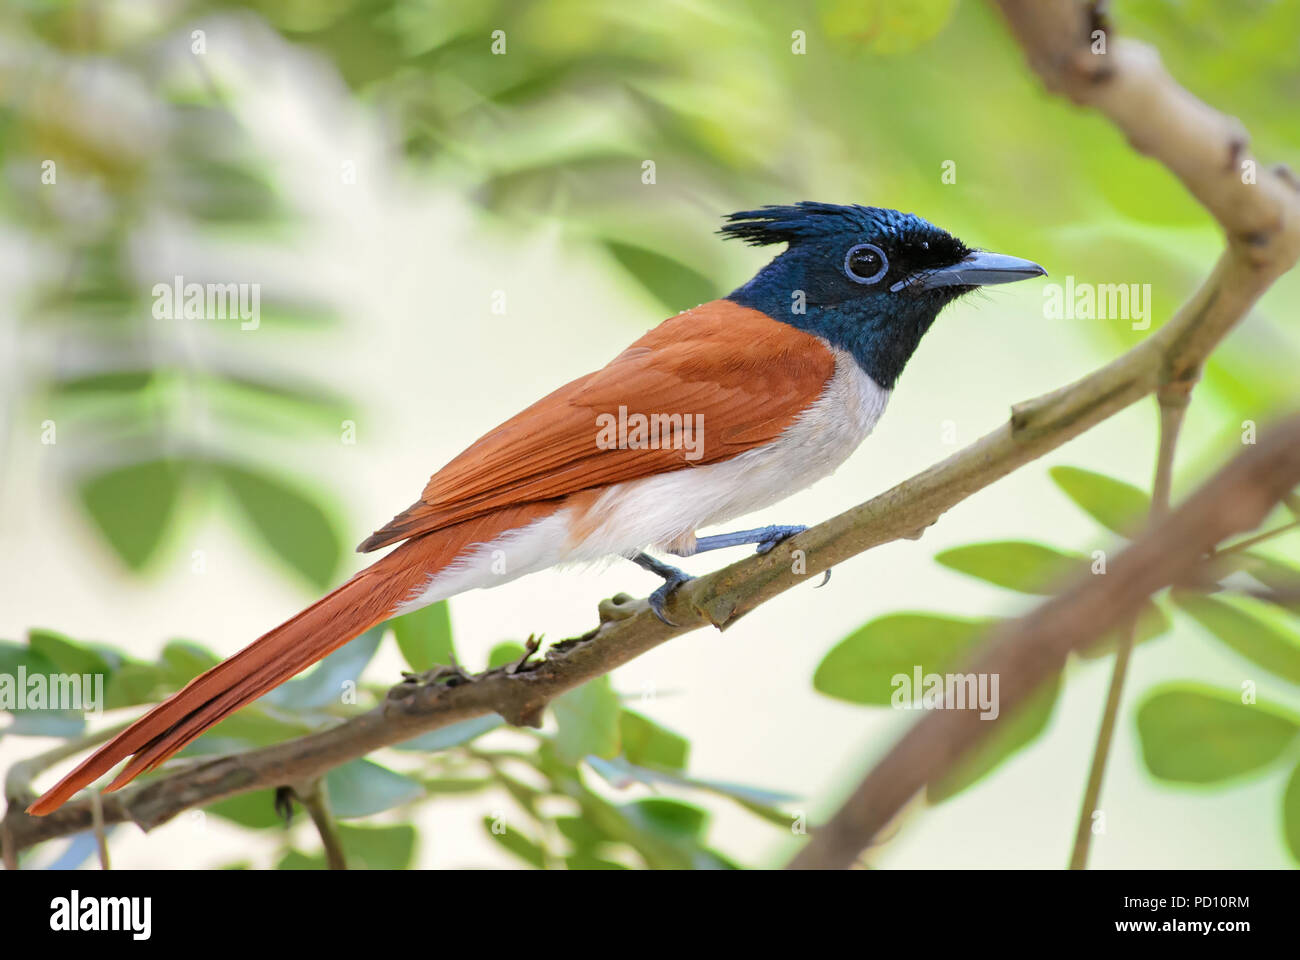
{"x": 866, "y": 263}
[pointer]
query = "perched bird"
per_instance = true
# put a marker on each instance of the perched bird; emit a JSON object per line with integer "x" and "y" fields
{"x": 715, "y": 413}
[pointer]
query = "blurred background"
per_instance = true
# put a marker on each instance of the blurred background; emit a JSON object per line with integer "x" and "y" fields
{"x": 448, "y": 209}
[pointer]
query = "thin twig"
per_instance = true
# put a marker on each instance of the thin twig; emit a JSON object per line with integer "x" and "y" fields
{"x": 315, "y": 799}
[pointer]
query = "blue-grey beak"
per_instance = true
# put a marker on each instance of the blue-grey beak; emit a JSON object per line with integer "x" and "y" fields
{"x": 980, "y": 270}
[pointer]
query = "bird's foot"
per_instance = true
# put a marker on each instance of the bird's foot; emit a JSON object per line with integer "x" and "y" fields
{"x": 660, "y": 596}
{"x": 673, "y": 578}
{"x": 776, "y": 534}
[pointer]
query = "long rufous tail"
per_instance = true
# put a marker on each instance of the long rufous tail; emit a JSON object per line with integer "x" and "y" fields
{"x": 367, "y": 599}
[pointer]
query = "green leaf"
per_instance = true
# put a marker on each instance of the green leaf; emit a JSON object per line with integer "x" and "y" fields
{"x": 183, "y": 660}
{"x": 1275, "y": 575}
{"x": 1255, "y": 639}
{"x": 672, "y": 819}
{"x": 67, "y": 655}
{"x": 133, "y": 505}
{"x": 378, "y": 847}
{"x": 451, "y": 736}
{"x": 521, "y": 846}
{"x": 1011, "y": 733}
{"x": 506, "y": 652}
{"x": 647, "y": 744}
{"x": 255, "y": 725}
{"x": 424, "y": 636}
{"x": 326, "y": 683}
{"x": 291, "y": 524}
{"x": 131, "y": 684}
{"x": 675, "y": 285}
{"x": 1195, "y": 734}
{"x": 361, "y": 787}
{"x": 861, "y": 668}
{"x": 1291, "y": 814}
{"x": 293, "y": 860}
{"x": 1118, "y": 506}
{"x": 588, "y": 721}
{"x": 1014, "y": 564}
{"x": 255, "y": 810}
{"x": 587, "y": 861}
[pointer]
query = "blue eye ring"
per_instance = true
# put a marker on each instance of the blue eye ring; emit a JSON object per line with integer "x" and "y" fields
{"x": 859, "y": 249}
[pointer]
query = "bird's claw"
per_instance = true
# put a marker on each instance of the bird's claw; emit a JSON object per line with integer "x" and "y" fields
{"x": 659, "y": 598}
{"x": 780, "y": 534}
{"x": 826, "y": 578}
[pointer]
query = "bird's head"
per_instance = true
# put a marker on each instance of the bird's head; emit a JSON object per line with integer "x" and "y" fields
{"x": 867, "y": 279}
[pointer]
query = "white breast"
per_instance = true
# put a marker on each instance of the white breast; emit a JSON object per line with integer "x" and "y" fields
{"x": 665, "y": 510}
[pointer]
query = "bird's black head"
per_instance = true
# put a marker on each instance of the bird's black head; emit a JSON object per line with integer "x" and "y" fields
{"x": 866, "y": 279}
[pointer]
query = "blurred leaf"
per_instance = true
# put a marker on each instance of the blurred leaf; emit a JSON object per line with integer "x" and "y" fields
{"x": 290, "y": 523}
{"x": 1011, "y": 733}
{"x": 47, "y": 723}
{"x": 293, "y": 860}
{"x": 255, "y": 810}
{"x": 424, "y": 636}
{"x": 453, "y": 735}
{"x": 325, "y": 684}
{"x": 503, "y": 653}
{"x": 378, "y": 847}
{"x": 675, "y": 285}
{"x": 1280, "y": 577}
{"x": 521, "y": 846}
{"x": 131, "y": 684}
{"x": 884, "y": 27}
{"x": 1253, "y": 638}
{"x": 1291, "y": 814}
{"x": 66, "y": 655}
{"x": 861, "y": 667}
{"x": 15, "y": 655}
{"x": 588, "y": 721}
{"x": 1195, "y": 734}
{"x": 183, "y": 660}
{"x": 647, "y": 744}
{"x": 1014, "y": 564}
{"x": 133, "y": 505}
{"x": 256, "y": 725}
{"x": 1118, "y": 506}
{"x": 362, "y": 787}
{"x": 678, "y": 821}
{"x": 587, "y": 861}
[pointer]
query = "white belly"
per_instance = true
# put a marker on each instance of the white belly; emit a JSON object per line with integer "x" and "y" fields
{"x": 665, "y": 510}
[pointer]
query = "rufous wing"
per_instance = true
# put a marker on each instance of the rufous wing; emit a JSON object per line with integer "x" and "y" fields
{"x": 748, "y": 376}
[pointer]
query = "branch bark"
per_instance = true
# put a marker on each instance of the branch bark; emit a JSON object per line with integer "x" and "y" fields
{"x": 1025, "y": 652}
{"x": 1207, "y": 151}
{"x": 1201, "y": 146}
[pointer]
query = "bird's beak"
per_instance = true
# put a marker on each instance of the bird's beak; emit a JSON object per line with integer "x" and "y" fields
{"x": 981, "y": 270}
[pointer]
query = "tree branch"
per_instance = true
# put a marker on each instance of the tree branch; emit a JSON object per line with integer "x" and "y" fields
{"x": 1069, "y": 44}
{"x": 1023, "y": 653}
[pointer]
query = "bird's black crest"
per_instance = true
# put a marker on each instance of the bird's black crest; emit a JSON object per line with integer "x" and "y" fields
{"x": 804, "y": 221}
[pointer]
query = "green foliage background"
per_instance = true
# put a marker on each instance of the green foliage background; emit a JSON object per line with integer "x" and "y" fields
{"x": 171, "y": 423}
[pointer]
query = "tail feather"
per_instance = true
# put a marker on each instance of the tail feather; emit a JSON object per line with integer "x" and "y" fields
{"x": 369, "y": 598}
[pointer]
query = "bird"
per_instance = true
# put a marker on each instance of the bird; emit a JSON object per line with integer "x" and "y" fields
{"x": 717, "y": 412}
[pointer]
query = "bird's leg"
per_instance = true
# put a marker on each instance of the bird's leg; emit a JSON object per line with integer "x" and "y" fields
{"x": 673, "y": 578}
{"x": 765, "y": 537}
